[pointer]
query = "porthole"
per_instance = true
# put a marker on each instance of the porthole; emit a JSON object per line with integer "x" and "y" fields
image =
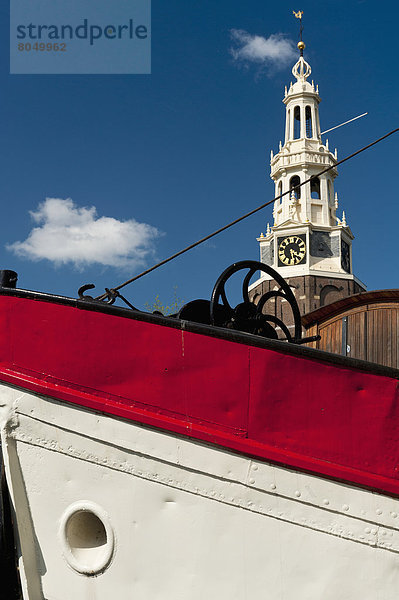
{"x": 87, "y": 538}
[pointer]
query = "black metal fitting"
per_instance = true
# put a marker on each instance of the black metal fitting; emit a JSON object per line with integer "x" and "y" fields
{"x": 8, "y": 279}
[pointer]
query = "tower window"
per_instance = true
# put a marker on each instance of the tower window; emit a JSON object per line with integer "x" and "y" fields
{"x": 294, "y": 183}
{"x": 279, "y": 191}
{"x": 308, "y": 117}
{"x": 297, "y": 122}
{"x": 315, "y": 187}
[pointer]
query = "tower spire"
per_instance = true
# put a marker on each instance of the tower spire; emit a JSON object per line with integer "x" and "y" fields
{"x": 309, "y": 211}
{"x": 309, "y": 245}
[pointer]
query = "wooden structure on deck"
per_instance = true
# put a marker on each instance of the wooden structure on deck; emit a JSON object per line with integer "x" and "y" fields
{"x": 364, "y": 326}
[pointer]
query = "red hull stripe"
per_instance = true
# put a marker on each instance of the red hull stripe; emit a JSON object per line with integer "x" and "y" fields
{"x": 300, "y": 412}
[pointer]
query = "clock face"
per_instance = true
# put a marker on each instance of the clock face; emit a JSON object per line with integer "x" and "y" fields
{"x": 291, "y": 250}
{"x": 345, "y": 257}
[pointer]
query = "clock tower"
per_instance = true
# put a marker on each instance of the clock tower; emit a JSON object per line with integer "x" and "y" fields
{"x": 308, "y": 244}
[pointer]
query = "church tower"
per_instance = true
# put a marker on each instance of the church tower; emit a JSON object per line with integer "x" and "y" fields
{"x": 308, "y": 244}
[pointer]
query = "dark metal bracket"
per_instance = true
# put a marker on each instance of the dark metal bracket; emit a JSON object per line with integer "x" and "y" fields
{"x": 111, "y": 295}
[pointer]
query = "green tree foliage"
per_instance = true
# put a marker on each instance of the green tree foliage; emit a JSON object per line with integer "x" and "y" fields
{"x": 166, "y": 309}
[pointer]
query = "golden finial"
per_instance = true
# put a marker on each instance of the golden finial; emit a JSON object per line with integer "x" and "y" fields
{"x": 301, "y": 44}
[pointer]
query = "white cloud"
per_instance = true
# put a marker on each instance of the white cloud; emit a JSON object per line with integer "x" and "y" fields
{"x": 275, "y": 51}
{"x": 67, "y": 233}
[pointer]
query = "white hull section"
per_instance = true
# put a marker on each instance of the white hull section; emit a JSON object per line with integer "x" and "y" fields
{"x": 108, "y": 509}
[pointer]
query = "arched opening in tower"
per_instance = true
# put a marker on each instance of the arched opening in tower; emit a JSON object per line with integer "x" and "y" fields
{"x": 315, "y": 188}
{"x": 279, "y": 192}
{"x": 308, "y": 118}
{"x": 294, "y": 183}
{"x": 297, "y": 122}
{"x": 329, "y": 294}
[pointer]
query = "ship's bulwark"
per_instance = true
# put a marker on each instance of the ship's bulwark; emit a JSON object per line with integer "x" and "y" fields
{"x": 302, "y": 408}
{"x": 151, "y": 459}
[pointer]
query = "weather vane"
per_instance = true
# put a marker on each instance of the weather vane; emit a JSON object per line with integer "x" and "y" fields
{"x": 298, "y": 15}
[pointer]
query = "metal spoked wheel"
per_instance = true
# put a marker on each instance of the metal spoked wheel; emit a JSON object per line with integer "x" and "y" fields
{"x": 248, "y": 316}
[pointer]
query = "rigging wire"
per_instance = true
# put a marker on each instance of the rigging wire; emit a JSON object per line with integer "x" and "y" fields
{"x": 239, "y": 219}
{"x": 345, "y": 123}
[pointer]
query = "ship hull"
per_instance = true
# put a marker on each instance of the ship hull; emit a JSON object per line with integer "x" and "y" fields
{"x": 150, "y": 458}
{"x": 106, "y": 508}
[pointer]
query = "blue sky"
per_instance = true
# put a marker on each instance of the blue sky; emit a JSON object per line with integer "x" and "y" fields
{"x": 186, "y": 149}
